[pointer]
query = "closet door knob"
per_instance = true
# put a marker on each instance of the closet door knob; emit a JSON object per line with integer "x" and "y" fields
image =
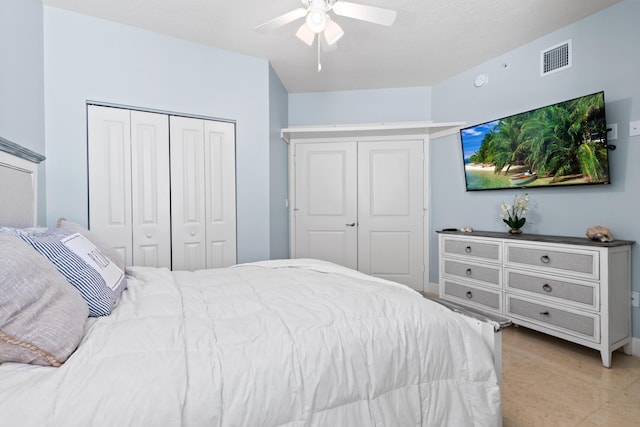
{"x": 469, "y": 294}
{"x": 546, "y": 287}
{"x": 193, "y": 233}
{"x": 545, "y": 259}
{"x": 351, "y": 224}
{"x": 148, "y": 235}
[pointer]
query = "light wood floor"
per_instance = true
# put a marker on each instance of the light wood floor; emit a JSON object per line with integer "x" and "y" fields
{"x": 551, "y": 382}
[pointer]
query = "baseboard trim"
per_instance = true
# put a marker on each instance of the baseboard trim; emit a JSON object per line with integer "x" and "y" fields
{"x": 635, "y": 347}
{"x": 431, "y": 288}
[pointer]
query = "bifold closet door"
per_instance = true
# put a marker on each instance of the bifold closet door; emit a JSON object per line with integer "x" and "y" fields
{"x": 150, "y": 202}
{"x": 129, "y": 183}
{"x": 109, "y": 162}
{"x": 203, "y": 216}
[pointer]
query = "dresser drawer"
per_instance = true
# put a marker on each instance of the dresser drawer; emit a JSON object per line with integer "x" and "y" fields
{"x": 580, "y": 294}
{"x": 582, "y": 324}
{"x": 487, "y": 274}
{"x": 576, "y": 262}
{"x": 470, "y": 295}
{"x": 486, "y": 250}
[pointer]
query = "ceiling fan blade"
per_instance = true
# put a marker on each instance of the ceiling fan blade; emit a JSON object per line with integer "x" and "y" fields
{"x": 281, "y": 20}
{"x": 305, "y": 34}
{"x": 376, "y": 15}
{"x": 332, "y": 32}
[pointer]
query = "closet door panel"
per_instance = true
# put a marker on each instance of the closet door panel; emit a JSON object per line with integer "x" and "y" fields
{"x": 150, "y": 189}
{"x": 325, "y": 214}
{"x": 220, "y": 194}
{"x": 390, "y": 210}
{"x": 109, "y": 162}
{"x": 188, "y": 206}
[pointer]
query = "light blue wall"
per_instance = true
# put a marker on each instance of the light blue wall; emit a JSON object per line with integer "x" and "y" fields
{"x": 279, "y": 167}
{"x": 90, "y": 59}
{"x": 360, "y": 106}
{"x": 22, "y": 80}
{"x": 93, "y": 59}
{"x": 606, "y": 57}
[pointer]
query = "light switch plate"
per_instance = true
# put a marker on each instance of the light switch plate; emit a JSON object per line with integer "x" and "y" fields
{"x": 612, "y": 135}
{"x": 634, "y": 128}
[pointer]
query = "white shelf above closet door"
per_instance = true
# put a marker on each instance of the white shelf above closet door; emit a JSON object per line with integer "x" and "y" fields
{"x": 434, "y": 130}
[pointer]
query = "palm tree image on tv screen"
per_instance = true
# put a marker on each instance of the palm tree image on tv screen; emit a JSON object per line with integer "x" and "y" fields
{"x": 560, "y": 144}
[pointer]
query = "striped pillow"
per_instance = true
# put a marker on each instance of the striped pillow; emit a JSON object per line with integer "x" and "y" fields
{"x": 99, "y": 297}
{"x": 106, "y": 249}
{"x": 85, "y": 249}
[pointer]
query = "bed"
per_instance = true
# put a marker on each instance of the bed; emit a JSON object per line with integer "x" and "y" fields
{"x": 272, "y": 343}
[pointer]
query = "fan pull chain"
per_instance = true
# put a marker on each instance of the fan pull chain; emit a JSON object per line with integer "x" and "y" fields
{"x": 319, "y": 64}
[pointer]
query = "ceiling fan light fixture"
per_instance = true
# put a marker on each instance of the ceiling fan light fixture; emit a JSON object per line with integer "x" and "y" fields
{"x": 305, "y": 34}
{"x": 332, "y": 32}
{"x": 316, "y": 20}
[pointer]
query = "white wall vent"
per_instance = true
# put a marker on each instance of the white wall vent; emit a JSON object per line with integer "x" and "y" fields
{"x": 555, "y": 58}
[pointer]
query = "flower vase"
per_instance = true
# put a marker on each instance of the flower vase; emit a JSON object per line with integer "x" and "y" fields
{"x": 515, "y": 231}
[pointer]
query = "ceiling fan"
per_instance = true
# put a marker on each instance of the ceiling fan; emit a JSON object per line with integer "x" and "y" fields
{"x": 318, "y": 20}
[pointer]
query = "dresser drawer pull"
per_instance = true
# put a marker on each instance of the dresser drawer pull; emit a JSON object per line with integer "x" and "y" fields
{"x": 469, "y": 294}
{"x": 468, "y": 249}
{"x": 468, "y": 272}
{"x": 544, "y": 313}
{"x": 546, "y": 287}
{"x": 545, "y": 259}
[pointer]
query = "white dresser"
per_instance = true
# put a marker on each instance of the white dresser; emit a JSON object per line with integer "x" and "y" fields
{"x": 569, "y": 287}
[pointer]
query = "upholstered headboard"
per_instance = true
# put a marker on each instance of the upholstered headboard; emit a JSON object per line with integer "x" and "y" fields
{"x": 18, "y": 185}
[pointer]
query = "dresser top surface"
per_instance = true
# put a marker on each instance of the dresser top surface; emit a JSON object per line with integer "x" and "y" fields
{"x": 538, "y": 238}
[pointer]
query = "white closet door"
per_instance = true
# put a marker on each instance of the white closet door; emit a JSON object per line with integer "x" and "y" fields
{"x": 109, "y": 158}
{"x": 162, "y": 188}
{"x": 325, "y": 211}
{"x": 188, "y": 210}
{"x": 390, "y": 210}
{"x": 220, "y": 188}
{"x": 150, "y": 189}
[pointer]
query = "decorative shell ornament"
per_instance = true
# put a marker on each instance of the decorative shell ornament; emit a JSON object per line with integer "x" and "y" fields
{"x": 599, "y": 233}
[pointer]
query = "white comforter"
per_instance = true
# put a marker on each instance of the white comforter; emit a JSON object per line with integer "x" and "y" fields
{"x": 291, "y": 343}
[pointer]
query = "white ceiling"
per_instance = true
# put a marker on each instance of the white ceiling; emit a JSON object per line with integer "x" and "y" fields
{"x": 430, "y": 40}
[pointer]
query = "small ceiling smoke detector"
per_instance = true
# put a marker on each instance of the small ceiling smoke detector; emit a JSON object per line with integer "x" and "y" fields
{"x": 481, "y": 80}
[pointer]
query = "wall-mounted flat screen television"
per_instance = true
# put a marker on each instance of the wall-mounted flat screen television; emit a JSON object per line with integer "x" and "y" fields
{"x": 556, "y": 145}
